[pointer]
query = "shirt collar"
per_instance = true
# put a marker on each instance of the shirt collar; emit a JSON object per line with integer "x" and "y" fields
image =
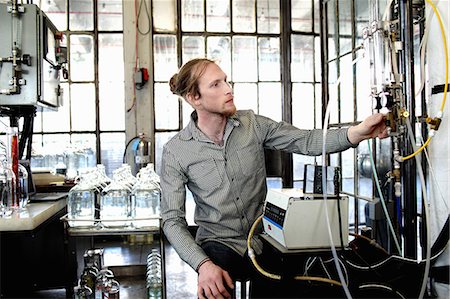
{"x": 191, "y": 130}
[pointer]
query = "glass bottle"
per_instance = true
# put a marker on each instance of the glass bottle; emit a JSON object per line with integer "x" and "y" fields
{"x": 7, "y": 189}
{"x": 146, "y": 198}
{"x": 22, "y": 191}
{"x": 154, "y": 278}
{"x": 115, "y": 204}
{"x": 81, "y": 204}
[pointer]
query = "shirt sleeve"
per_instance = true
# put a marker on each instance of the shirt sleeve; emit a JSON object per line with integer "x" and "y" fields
{"x": 284, "y": 136}
{"x": 173, "y": 211}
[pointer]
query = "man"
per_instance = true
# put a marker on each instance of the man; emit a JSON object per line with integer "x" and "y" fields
{"x": 219, "y": 156}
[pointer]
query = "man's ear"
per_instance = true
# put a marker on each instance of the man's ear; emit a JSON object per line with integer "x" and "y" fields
{"x": 194, "y": 100}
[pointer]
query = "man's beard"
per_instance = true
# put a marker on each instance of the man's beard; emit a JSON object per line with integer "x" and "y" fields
{"x": 229, "y": 112}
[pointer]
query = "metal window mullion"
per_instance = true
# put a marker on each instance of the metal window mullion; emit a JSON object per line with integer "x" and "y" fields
{"x": 96, "y": 82}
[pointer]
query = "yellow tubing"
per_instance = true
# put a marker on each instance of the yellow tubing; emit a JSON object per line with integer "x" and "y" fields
{"x": 276, "y": 276}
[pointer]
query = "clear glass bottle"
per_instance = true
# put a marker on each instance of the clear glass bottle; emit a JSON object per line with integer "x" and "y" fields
{"x": 115, "y": 204}
{"x": 146, "y": 198}
{"x": 7, "y": 189}
{"x": 22, "y": 191}
{"x": 81, "y": 205}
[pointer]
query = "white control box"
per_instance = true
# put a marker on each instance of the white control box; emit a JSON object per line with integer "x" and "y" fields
{"x": 298, "y": 221}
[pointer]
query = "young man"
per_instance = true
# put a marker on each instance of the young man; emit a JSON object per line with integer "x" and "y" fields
{"x": 219, "y": 157}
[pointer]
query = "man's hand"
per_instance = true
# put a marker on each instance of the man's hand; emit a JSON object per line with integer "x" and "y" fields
{"x": 213, "y": 282}
{"x": 372, "y": 126}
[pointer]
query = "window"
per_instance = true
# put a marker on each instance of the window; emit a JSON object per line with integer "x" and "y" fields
{"x": 92, "y": 117}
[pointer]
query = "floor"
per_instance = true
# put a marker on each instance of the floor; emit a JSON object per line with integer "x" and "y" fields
{"x": 127, "y": 259}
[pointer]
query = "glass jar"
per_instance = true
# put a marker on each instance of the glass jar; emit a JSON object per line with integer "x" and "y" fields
{"x": 81, "y": 206}
{"x": 115, "y": 205}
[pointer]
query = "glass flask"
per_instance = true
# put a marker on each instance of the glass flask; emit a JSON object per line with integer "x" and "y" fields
{"x": 7, "y": 189}
{"x": 115, "y": 204}
{"x": 81, "y": 205}
{"x": 22, "y": 191}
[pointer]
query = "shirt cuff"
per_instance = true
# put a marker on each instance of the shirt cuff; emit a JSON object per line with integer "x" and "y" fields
{"x": 201, "y": 263}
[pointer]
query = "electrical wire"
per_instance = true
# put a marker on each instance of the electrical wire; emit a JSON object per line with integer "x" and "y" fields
{"x": 371, "y": 242}
{"x": 383, "y": 204}
{"x": 251, "y": 254}
{"x": 147, "y": 15}
{"x": 381, "y": 286}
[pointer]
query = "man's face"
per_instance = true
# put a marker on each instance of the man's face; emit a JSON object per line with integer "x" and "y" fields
{"x": 216, "y": 94}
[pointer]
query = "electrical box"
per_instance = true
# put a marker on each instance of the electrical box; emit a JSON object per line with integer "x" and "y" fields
{"x": 31, "y": 57}
{"x": 298, "y": 221}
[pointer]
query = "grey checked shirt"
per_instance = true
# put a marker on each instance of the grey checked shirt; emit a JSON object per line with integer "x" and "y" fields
{"x": 228, "y": 182}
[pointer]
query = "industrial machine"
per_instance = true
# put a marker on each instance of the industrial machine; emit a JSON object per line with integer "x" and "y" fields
{"x": 298, "y": 221}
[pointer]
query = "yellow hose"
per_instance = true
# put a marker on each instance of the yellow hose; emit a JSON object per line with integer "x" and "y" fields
{"x": 441, "y": 111}
{"x": 252, "y": 256}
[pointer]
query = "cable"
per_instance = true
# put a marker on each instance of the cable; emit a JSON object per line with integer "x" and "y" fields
{"x": 126, "y": 148}
{"x": 252, "y": 256}
{"x": 371, "y": 242}
{"x": 383, "y": 204}
{"x": 148, "y": 18}
{"x": 381, "y": 286}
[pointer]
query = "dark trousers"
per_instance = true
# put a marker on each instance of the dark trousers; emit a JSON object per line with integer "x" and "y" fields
{"x": 241, "y": 269}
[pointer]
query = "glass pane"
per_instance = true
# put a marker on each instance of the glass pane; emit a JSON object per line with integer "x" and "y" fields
{"x": 165, "y": 55}
{"x": 187, "y": 110}
{"x": 319, "y": 120}
{"x": 112, "y": 105}
{"x": 347, "y": 106}
{"x": 81, "y": 15}
{"x": 244, "y": 16}
{"x": 302, "y": 58}
{"x": 245, "y": 64}
{"x": 345, "y": 18}
{"x": 219, "y": 50}
{"x": 37, "y": 123}
{"x": 246, "y": 96}
{"x": 53, "y": 144}
{"x": 348, "y": 171}
{"x": 270, "y": 100}
{"x": 110, "y": 48}
{"x": 112, "y": 148}
{"x": 303, "y": 105}
{"x": 269, "y": 58}
{"x": 193, "y": 47}
{"x": 192, "y": 15}
{"x": 160, "y": 140}
{"x": 362, "y": 16}
{"x": 268, "y": 16}
{"x": 167, "y": 107}
{"x": 317, "y": 60}
{"x": 331, "y": 17}
{"x": 82, "y": 58}
{"x": 217, "y": 16}
{"x": 345, "y": 45}
{"x": 110, "y": 14}
{"x": 164, "y": 13}
{"x": 299, "y": 162}
{"x": 85, "y": 147}
{"x": 302, "y": 15}
{"x": 56, "y": 10}
{"x": 82, "y": 100}
{"x": 58, "y": 121}
{"x": 317, "y": 16}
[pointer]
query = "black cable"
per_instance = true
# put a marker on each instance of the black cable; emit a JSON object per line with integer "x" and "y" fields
{"x": 148, "y": 18}
{"x": 338, "y": 198}
{"x": 126, "y": 147}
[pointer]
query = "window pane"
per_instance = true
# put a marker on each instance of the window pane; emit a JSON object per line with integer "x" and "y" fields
{"x": 317, "y": 16}
{"x": 110, "y": 15}
{"x": 217, "y": 16}
{"x": 187, "y": 110}
{"x": 299, "y": 162}
{"x": 319, "y": 120}
{"x": 53, "y": 145}
{"x": 268, "y": 16}
{"x": 219, "y": 50}
{"x": 244, "y": 16}
{"x": 112, "y": 105}
{"x": 82, "y": 99}
{"x": 165, "y": 55}
{"x": 192, "y": 15}
{"x": 112, "y": 146}
{"x": 167, "y": 107}
{"x": 317, "y": 60}
{"x": 346, "y": 99}
{"x": 303, "y": 105}
{"x": 164, "y": 15}
{"x": 58, "y": 121}
{"x": 302, "y": 58}
{"x": 193, "y": 47}
{"x": 82, "y": 58}
{"x": 110, "y": 48}
{"x": 160, "y": 140}
{"x": 56, "y": 10}
{"x": 269, "y": 59}
{"x": 246, "y": 96}
{"x": 244, "y": 59}
{"x": 81, "y": 15}
{"x": 37, "y": 122}
{"x": 345, "y": 18}
{"x": 301, "y": 15}
{"x": 270, "y": 100}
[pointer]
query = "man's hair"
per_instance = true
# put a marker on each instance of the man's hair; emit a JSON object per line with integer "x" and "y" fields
{"x": 186, "y": 80}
